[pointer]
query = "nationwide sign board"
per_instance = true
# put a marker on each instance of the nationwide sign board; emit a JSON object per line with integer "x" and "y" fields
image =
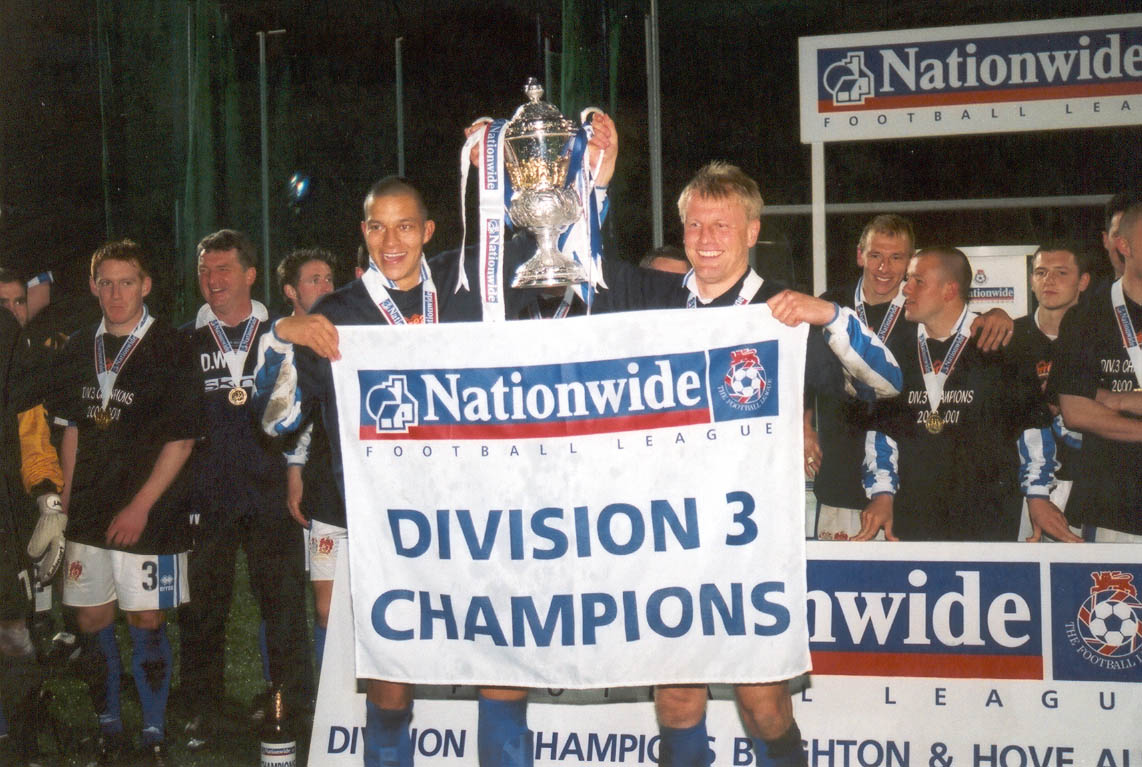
{"x": 989, "y": 78}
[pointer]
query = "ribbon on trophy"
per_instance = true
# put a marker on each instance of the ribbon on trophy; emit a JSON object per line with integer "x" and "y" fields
{"x": 582, "y": 240}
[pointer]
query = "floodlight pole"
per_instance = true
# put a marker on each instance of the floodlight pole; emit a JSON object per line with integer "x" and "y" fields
{"x": 654, "y": 123}
{"x": 265, "y": 158}
{"x": 400, "y": 105}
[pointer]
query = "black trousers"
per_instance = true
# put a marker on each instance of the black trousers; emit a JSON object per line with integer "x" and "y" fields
{"x": 276, "y": 565}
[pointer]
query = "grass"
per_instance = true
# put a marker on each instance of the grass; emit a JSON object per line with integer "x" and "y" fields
{"x": 72, "y": 711}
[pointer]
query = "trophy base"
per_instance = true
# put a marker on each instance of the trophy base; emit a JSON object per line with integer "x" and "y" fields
{"x": 536, "y": 274}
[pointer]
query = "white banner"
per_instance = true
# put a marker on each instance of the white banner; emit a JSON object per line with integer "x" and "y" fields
{"x": 594, "y": 502}
{"x": 986, "y": 78}
{"x": 988, "y": 655}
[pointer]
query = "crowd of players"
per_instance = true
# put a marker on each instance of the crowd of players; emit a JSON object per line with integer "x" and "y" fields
{"x": 177, "y": 447}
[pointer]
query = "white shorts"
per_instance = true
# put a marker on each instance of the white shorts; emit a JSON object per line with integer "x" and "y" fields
{"x": 324, "y": 542}
{"x": 837, "y": 524}
{"x": 95, "y": 576}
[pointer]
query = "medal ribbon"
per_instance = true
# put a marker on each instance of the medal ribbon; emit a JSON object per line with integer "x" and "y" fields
{"x": 235, "y": 358}
{"x": 890, "y": 317}
{"x": 378, "y": 286}
{"x": 750, "y": 286}
{"x": 1126, "y": 329}
{"x": 934, "y": 380}
{"x": 106, "y": 373}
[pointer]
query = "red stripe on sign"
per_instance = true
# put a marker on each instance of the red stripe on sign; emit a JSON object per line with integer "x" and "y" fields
{"x": 545, "y": 428}
{"x": 968, "y": 98}
{"x": 928, "y": 665}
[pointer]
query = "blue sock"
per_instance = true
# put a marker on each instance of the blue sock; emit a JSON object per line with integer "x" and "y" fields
{"x": 684, "y": 746}
{"x": 785, "y": 751}
{"x": 151, "y": 665}
{"x": 3, "y": 722}
{"x": 387, "y": 741}
{"x": 111, "y": 715}
{"x": 263, "y": 648}
{"x": 319, "y": 632}
{"x": 502, "y": 737}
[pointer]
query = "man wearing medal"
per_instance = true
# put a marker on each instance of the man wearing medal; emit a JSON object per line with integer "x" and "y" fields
{"x": 131, "y": 420}
{"x": 835, "y": 426}
{"x": 239, "y": 500}
{"x": 1096, "y": 375}
{"x": 948, "y": 457}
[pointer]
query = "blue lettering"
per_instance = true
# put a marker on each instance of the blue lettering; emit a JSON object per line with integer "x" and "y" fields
{"x": 779, "y": 613}
{"x": 380, "y": 624}
{"x": 428, "y": 614}
{"x": 748, "y": 526}
{"x": 479, "y": 548}
{"x": 423, "y": 532}
{"x": 593, "y": 617}
{"x": 481, "y": 619}
{"x": 662, "y": 514}
{"x": 637, "y": 528}
{"x": 732, "y": 615}
{"x": 654, "y": 611}
{"x": 557, "y": 537}
{"x": 561, "y": 611}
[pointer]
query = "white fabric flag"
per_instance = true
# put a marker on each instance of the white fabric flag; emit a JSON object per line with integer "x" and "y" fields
{"x": 600, "y": 501}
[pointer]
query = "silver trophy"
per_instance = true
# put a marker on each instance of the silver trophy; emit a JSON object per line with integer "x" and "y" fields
{"x": 537, "y": 151}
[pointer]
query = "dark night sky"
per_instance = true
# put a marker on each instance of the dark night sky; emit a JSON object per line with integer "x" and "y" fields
{"x": 729, "y": 92}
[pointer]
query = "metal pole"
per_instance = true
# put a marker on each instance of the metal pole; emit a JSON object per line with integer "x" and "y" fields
{"x": 103, "y": 55}
{"x": 400, "y": 107}
{"x": 654, "y": 123}
{"x": 548, "y": 85}
{"x": 263, "y": 97}
{"x": 817, "y": 187}
{"x": 265, "y": 165}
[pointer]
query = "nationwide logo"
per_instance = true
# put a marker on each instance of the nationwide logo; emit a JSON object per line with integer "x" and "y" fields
{"x": 977, "y": 620}
{"x": 992, "y": 294}
{"x": 589, "y": 397}
{"x": 985, "y": 70}
{"x": 1097, "y": 617}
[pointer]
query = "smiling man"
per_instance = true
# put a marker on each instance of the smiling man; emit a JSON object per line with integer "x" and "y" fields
{"x": 239, "y": 499}
{"x": 948, "y": 457}
{"x": 131, "y": 420}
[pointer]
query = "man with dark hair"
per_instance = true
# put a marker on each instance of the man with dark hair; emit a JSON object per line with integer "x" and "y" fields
{"x": 834, "y": 450}
{"x": 239, "y": 500}
{"x": 1096, "y": 375}
{"x": 948, "y": 456}
{"x": 14, "y": 295}
{"x": 304, "y": 276}
{"x": 1112, "y": 214}
{"x": 1060, "y": 273}
{"x": 668, "y": 258}
{"x": 311, "y": 491}
{"x": 131, "y": 422}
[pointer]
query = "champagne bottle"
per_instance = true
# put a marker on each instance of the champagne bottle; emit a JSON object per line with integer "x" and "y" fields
{"x": 279, "y": 748}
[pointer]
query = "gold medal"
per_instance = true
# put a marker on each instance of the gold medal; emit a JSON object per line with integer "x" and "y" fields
{"x": 237, "y": 397}
{"x": 934, "y": 423}
{"x": 102, "y": 417}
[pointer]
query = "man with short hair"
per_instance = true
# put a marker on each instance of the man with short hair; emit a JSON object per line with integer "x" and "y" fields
{"x": 14, "y": 295}
{"x": 239, "y": 500}
{"x": 400, "y": 286}
{"x": 131, "y": 422}
{"x": 834, "y": 449}
{"x": 311, "y": 491}
{"x": 1112, "y": 213}
{"x": 1096, "y": 375}
{"x": 950, "y": 454}
{"x": 1060, "y": 273}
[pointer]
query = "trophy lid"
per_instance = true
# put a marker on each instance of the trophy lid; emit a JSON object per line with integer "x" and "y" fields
{"x": 537, "y": 116}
